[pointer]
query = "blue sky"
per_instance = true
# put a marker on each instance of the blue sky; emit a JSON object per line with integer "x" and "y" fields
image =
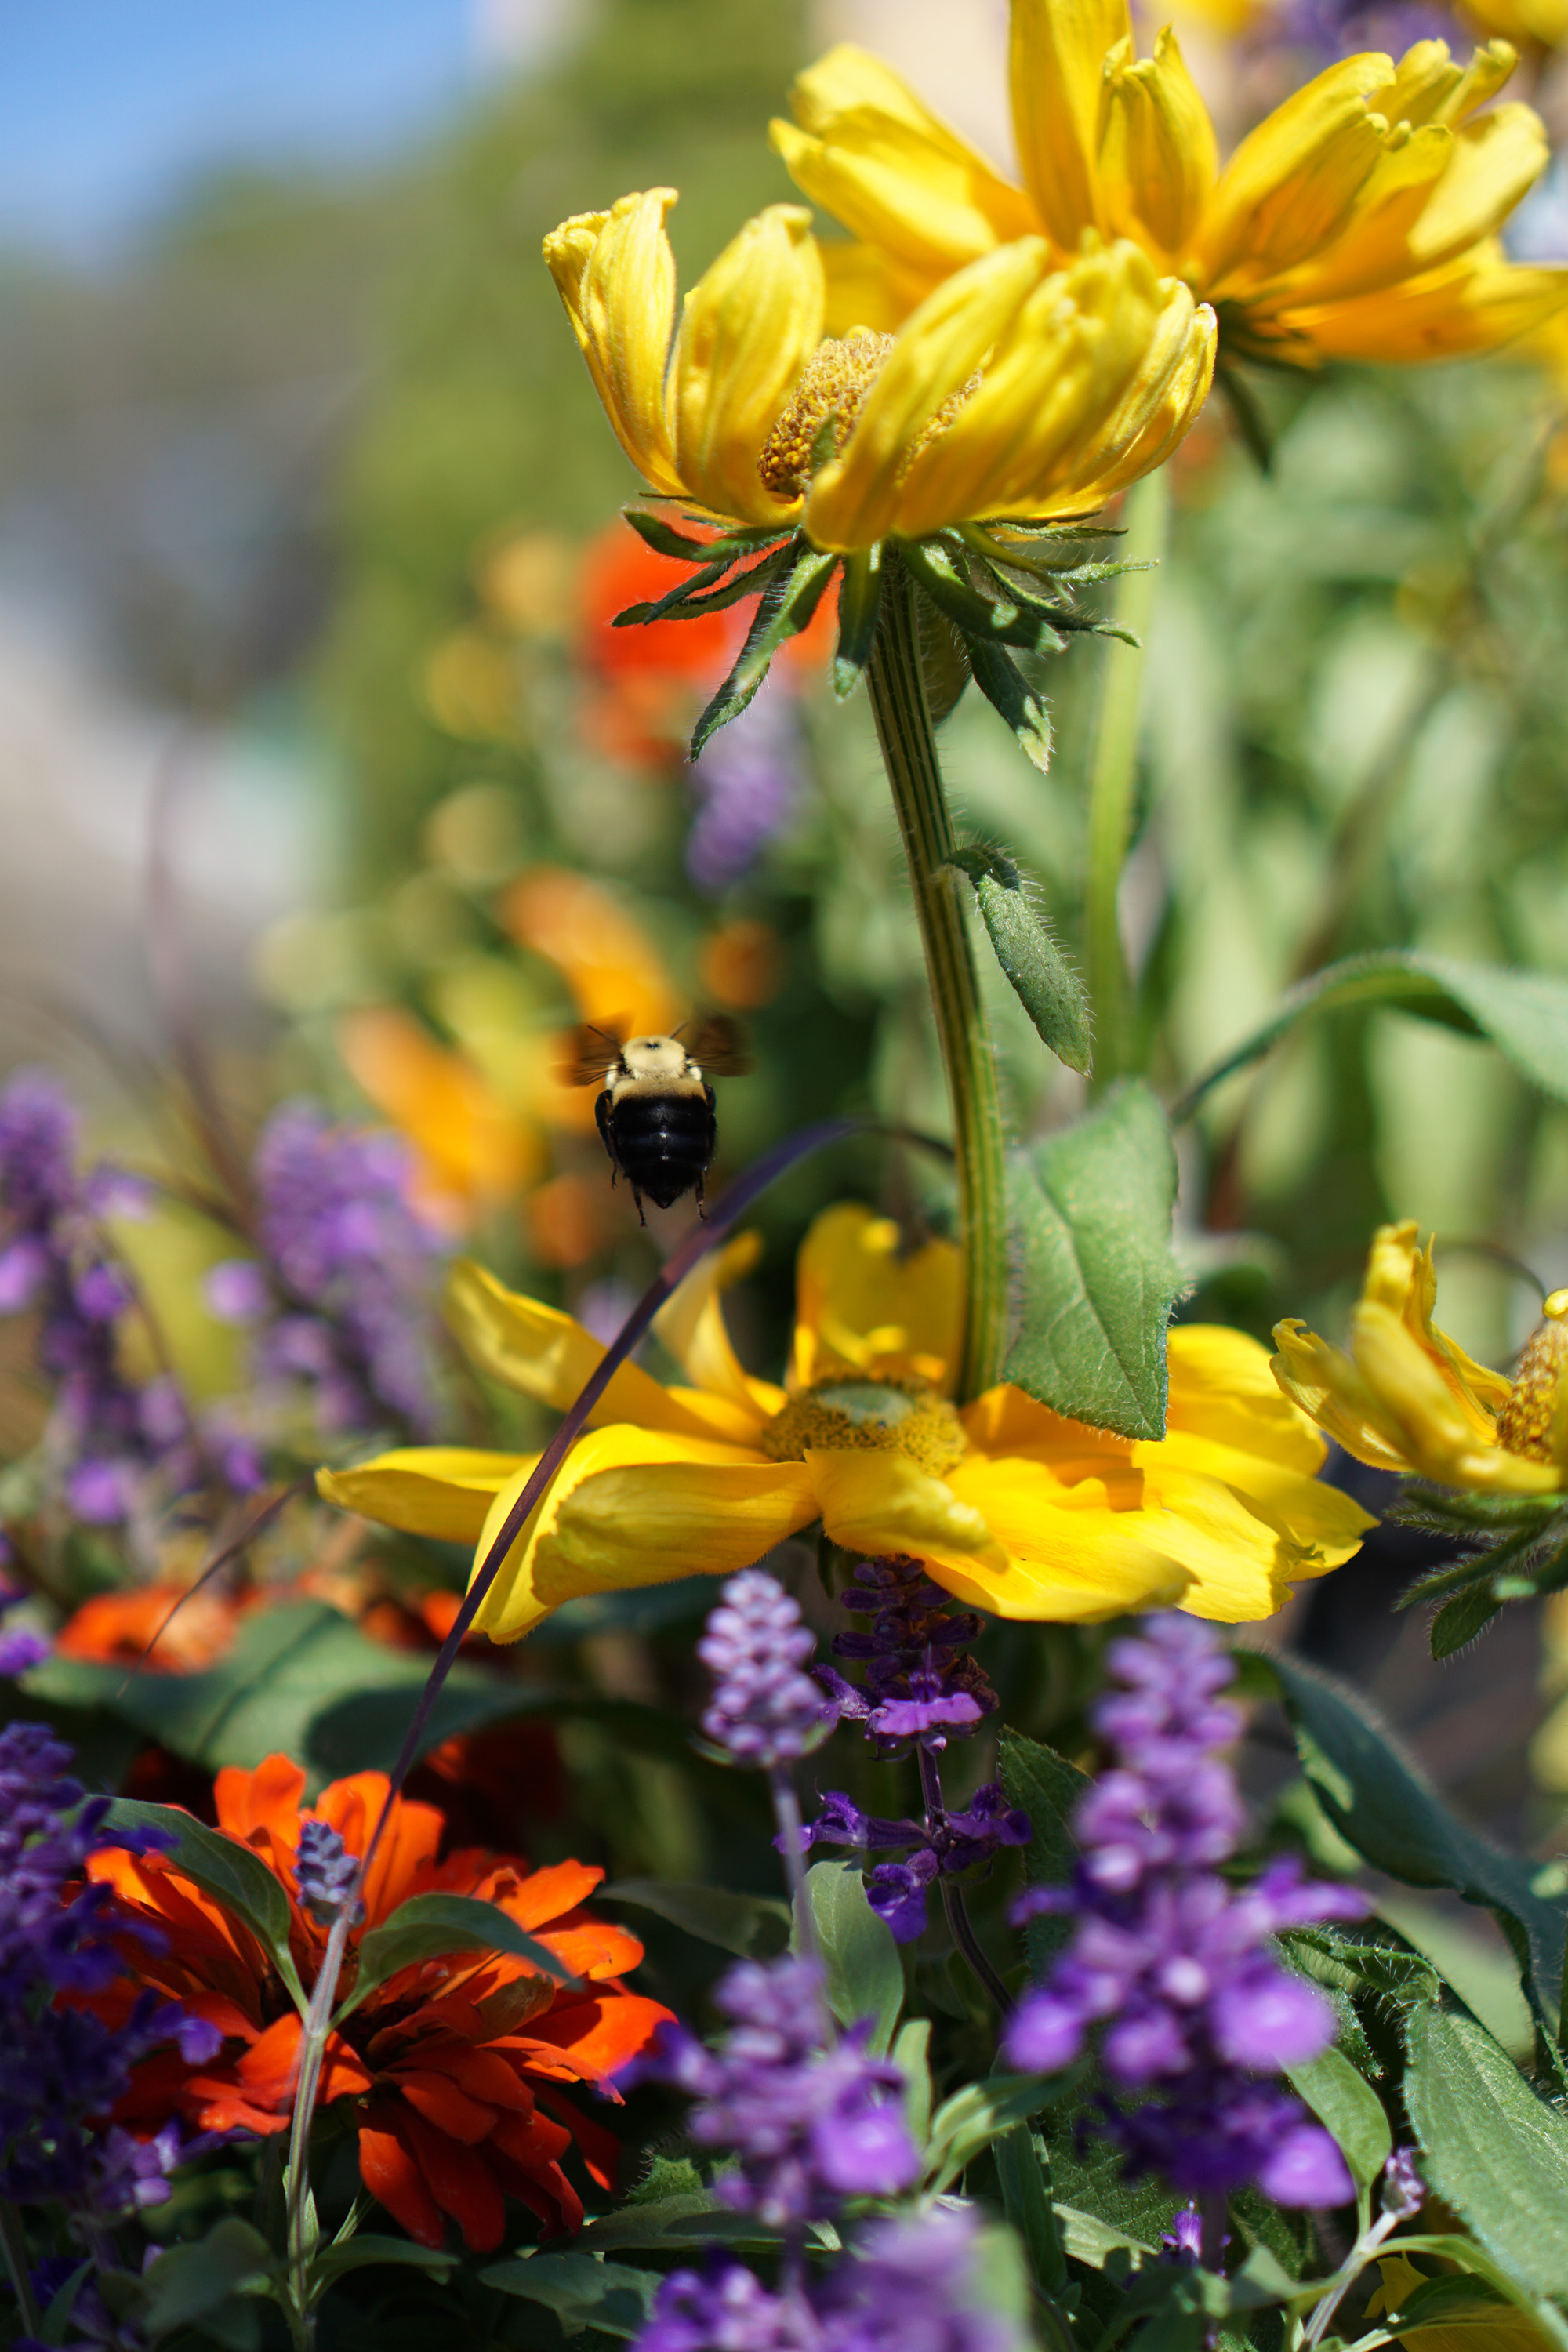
{"x": 107, "y": 106}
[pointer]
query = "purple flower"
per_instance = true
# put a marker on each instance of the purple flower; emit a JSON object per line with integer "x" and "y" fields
{"x": 60, "y": 2067}
{"x": 325, "y": 1871}
{"x": 813, "y": 2121}
{"x": 943, "y": 1842}
{"x": 920, "y": 1683}
{"x": 905, "y": 2286}
{"x": 1172, "y": 1967}
{"x": 21, "y": 1649}
{"x": 1404, "y": 2192}
{"x": 763, "y": 1711}
{"x": 748, "y": 776}
{"x": 350, "y": 1267}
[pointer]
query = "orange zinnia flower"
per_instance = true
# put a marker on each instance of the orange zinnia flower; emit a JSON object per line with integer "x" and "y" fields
{"x": 446, "y": 2070}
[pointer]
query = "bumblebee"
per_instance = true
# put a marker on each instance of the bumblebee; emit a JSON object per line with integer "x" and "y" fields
{"x": 656, "y": 1112}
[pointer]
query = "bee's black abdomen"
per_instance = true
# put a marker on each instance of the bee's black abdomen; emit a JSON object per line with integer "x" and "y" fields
{"x": 662, "y": 1143}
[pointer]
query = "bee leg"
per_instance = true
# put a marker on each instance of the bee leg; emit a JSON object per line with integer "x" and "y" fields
{"x": 638, "y": 1198}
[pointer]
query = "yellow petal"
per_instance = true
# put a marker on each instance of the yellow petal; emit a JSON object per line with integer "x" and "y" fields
{"x": 632, "y": 1507}
{"x": 544, "y": 1354}
{"x": 1222, "y": 1387}
{"x": 1437, "y": 1426}
{"x": 1476, "y": 304}
{"x": 1322, "y": 1380}
{"x": 1165, "y": 426}
{"x": 857, "y": 498}
{"x": 1291, "y": 184}
{"x": 748, "y": 328}
{"x": 1373, "y": 249}
{"x": 873, "y": 1502}
{"x": 1495, "y": 161}
{"x": 1158, "y": 157}
{"x": 860, "y": 1306}
{"x": 1072, "y": 1558}
{"x": 867, "y": 288}
{"x": 692, "y": 1327}
{"x": 1480, "y": 2327}
{"x": 1319, "y": 1521}
{"x": 871, "y": 154}
{"x": 427, "y": 1490}
{"x": 1056, "y": 72}
{"x": 615, "y": 273}
{"x": 1240, "y": 1568}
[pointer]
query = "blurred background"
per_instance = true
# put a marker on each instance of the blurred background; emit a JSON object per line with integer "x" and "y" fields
{"x": 322, "y": 771}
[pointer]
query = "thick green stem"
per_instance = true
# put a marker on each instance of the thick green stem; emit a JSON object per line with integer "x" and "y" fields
{"x": 909, "y": 752}
{"x": 1113, "y": 778}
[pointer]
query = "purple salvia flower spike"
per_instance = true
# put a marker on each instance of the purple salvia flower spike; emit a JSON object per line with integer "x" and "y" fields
{"x": 765, "y": 1710}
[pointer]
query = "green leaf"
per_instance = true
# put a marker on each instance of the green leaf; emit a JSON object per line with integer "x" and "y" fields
{"x": 1023, "y": 2171}
{"x": 429, "y": 1927}
{"x": 910, "y": 2053}
{"x": 1011, "y": 696}
{"x": 1490, "y": 2148}
{"x": 665, "y": 540}
{"x": 230, "y": 1872}
{"x": 974, "y": 2117}
{"x": 788, "y": 602}
{"x": 190, "y": 2281}
{"x": 1459, "y": 1621}
{"x": 865, "y": 1974}
{"x": 583, "y": 2292}
{"x": 1089, "y": 2240}
{"x": 754, "y": 1927}
{"x": 859, "y": 602}
{"x": 1380, "y": 1804}
{"x": 1349, "y": 2108}
{"x": 364, "y": 2249}
{"x": 1044, "y": 981}
{"x": 1091, "y": 1211}
{"x": 1048, "y": 1787}
{"x": 1524, "y": 1013}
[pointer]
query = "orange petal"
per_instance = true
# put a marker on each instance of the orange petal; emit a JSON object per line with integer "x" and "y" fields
{"x": 438, "y": 2098}
{"x": 599, "y": 2148}
{"x": 267, "y": 1799}
{"x": 533, "y": 2141}
{"x": 545, "y": 1894}
{"x": 389, "y": 2171}
{"x": 269, "y": 2069}
{"x": 409, "y": 1843}
{"x": 459, "y": 2181}
{"x": 602, "y": 2034}
{"x": 484, "y": 2075}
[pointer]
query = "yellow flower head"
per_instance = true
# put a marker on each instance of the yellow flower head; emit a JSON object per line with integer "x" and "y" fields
{"x": 1357, "y": 221}
{"x": 1406, "y": 1397}
{"x": 1021, "y": 385}
{"x": 1009, "y": 1507}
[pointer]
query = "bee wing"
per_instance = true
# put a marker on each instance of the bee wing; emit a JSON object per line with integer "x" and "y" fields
{"x": 586, "y": 1054}
{"x": 718, "y": 1046}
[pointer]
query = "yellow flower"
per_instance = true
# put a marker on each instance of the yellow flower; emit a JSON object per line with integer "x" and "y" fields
{"x": 1484, "y": 2327}
{"x": 1009, "y": 1507}
{"x": 1022, "y": 386}
{"x": 1357, "y": 221}
{"x": 1543, "y": 22}
{"x": 1407, "y": 1398}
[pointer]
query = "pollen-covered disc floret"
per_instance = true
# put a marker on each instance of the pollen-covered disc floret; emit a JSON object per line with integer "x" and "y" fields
{"x": 892, "y": 1414}
{"x": 831, "y": 391}
{"x": 1530, "y": 1421}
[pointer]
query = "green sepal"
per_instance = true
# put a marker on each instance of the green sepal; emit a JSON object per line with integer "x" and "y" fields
{"x": 665, "y": 540}
{"x": 945, "y": 665}
{"x": 1043, "y": 981}
{"x": 1461, "y": 1620}
{"x": 1012, "y": 696}
{"x": 787, "y": 605}
{"x": 860, "y": 603}
{"x": 985, "y": 620}
{"x": 689, "y": 599}
{"x": 1529, "y": 1559}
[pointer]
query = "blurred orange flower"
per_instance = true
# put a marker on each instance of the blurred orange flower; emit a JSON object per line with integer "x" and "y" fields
{"x": 113, "y": 1629}
{"x": 474, "y": 1152}
{"x": 447, "y": 2072}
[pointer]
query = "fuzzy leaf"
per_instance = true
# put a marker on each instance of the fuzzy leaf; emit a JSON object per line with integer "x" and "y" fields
{"x": 973, "y": 2117}
{"x": 1011, "y": 696}
{"x": 1490, "y": 2148}
{"x": 860, "y": 603}
{"x": 1048, "y": 1787}
{"x": 582, "y": 2292}
{"x": 1091, "y": 1214}
{"x": 865, "y": 1974}
{"x": 1349, "y": 2108}
{"x": 429, "y": 1927}
{"x": 1459, "y": 1621}
{"x": 792, "y": 596}
{"x": 230, "y": 1872}
{"x": 1381, "y": 1806}
{"x": 1023, "y": 2171}
{"x": 1044, "y": 981}
{"x": 1524, "y": 1013}
{"x": 753, "y": 1927}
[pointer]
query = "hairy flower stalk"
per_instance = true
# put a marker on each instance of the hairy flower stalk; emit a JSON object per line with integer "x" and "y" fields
{"x": 1171, "y": 1967}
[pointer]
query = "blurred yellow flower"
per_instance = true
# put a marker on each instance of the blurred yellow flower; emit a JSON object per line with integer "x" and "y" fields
{"x": 1542, "y": 22}
{"x": 1010, "y": 1508}
{"x": 1021, "y": 385}
{"x": 1484, "y": 2327}
{"x": 1357, "y": 221}
{"x": 1406, "y": 1397}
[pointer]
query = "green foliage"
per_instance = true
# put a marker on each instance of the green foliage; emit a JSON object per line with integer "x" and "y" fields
{"x": 1091, "y": 1215}
{"x": 1041, "y": 977}
{"x": 1048, "y": 1787}
{"x": 865, "y": 1974}
{"x": 583, "y": 2292}
{"x": 429, "y": 1927}
{"x": 223, "y": 1869}
{"x": 753, "y": 1927}
{"x": 1349, "y": 2108}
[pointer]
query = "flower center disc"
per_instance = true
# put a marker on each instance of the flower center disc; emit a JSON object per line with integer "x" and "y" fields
{"x": 836, "y": 378}
{"x": 1526, "y": 1425}
{"x": 890, "y": 1416}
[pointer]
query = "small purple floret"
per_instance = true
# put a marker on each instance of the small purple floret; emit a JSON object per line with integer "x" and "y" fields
{"x": 765, "y": 1711}
{"x": 1172, "y": 1968}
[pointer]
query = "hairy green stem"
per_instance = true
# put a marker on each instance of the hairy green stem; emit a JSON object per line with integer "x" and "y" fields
{"x": 909, "y": 752}
{"x": 1114, "y": 779}
{"x": 312, "y": 2051}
